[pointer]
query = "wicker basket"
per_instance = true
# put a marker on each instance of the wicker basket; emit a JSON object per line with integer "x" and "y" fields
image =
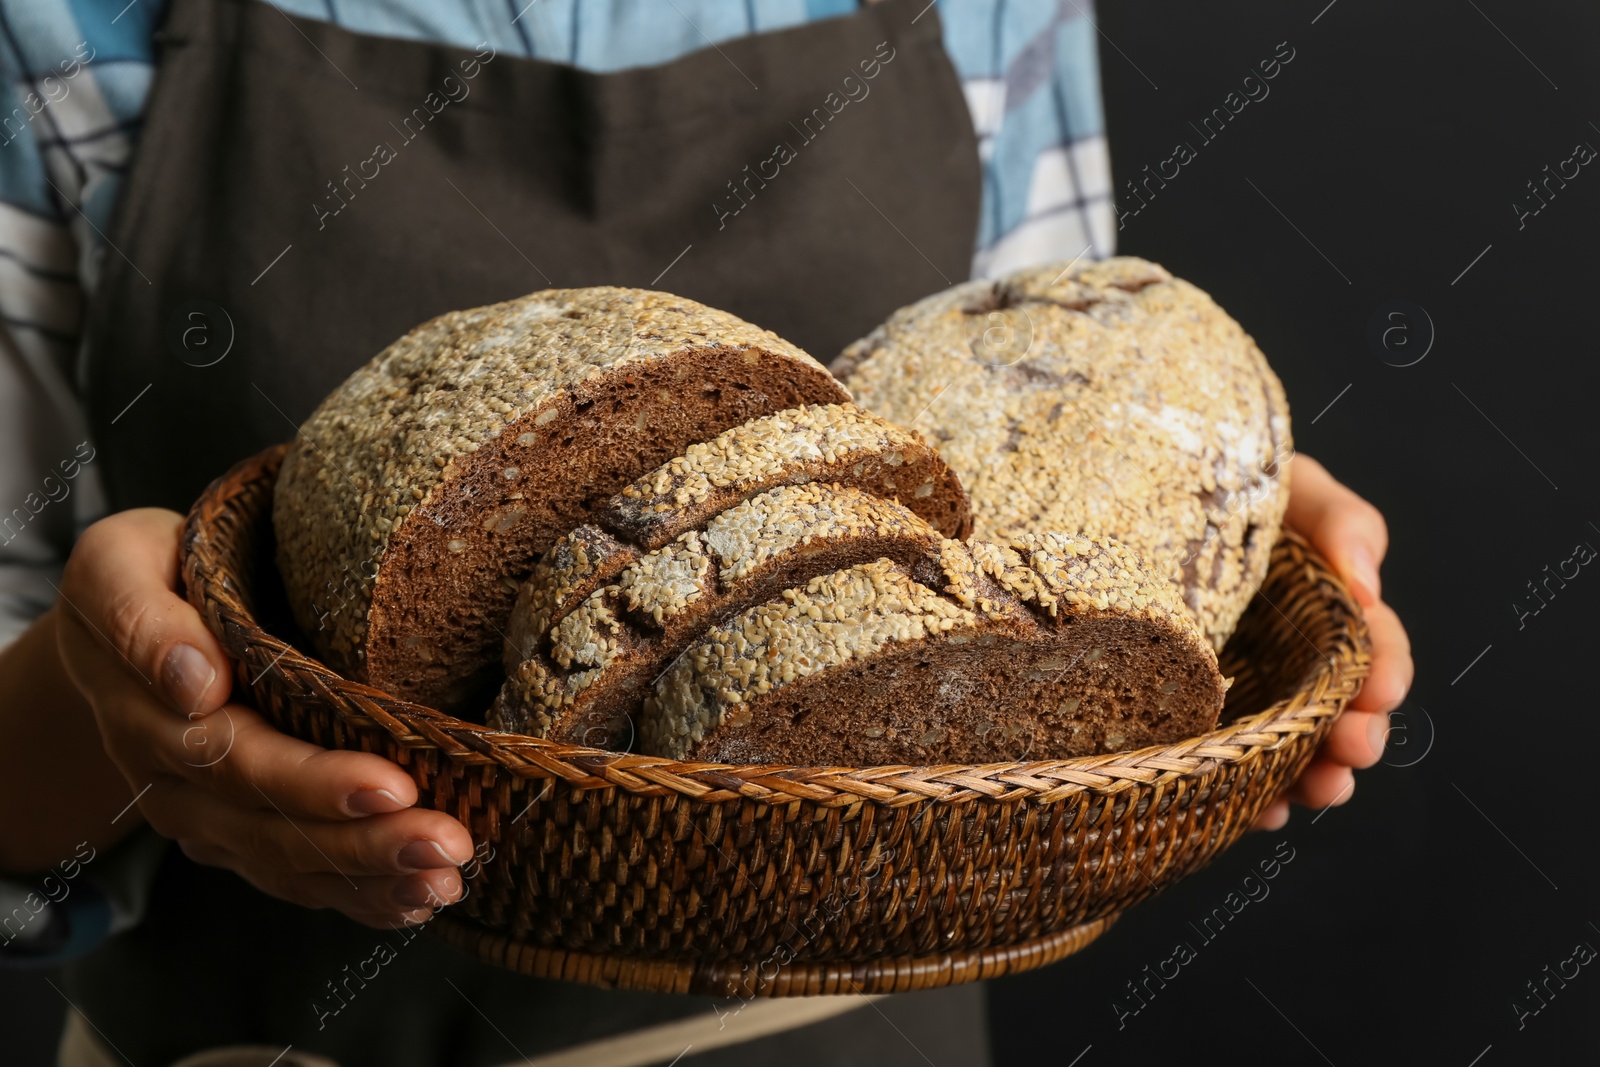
{"x": 646, "y": 873}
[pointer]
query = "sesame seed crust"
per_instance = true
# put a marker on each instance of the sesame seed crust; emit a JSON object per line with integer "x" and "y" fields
{"x": 835, "y": 443}
{"x": 883, "y": 669}
{"x": 667, "y": 581}
{"x": 392, "y": 473}
{"x": 1050, "y": 614}
{"x": 852, "y": 612}
{"x": 572, "y": 569}
{"x": 623, "y": 634}
{"x": 819, "y": 442}
{"x": 750, "y": 535}
{"x": 1107, "y": 399}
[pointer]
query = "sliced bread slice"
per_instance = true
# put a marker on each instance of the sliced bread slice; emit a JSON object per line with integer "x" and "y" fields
{"x": 1081, "y": 650}
{"x": 590, "y": 651}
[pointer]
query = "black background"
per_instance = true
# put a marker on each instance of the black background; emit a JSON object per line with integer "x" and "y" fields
{"x": 1410, "y": 918}
{"x": 1396, "y": 140}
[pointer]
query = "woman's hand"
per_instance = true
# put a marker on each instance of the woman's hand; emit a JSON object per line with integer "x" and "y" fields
{"x": 1354, "y": 537}
{"x": 325, "y": 829}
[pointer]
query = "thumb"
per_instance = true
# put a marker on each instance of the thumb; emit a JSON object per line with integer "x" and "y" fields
{"x": 119, "y": 591}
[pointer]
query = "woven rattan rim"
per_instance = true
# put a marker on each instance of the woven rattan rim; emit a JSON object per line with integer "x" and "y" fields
{"x": 891, "y": 974}
{"x": 1320, "y": 696}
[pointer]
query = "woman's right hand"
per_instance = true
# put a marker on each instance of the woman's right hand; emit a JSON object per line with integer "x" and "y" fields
{"x": 320, "y": 828}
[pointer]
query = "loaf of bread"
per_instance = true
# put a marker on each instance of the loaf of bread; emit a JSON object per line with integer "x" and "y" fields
{"x": 823, "y": 622}
{"x": 420, "y": 493}
{"x": 729, "y": 524}
{"x": 1108, "y": 400}
{"x": 1046, "y": 647}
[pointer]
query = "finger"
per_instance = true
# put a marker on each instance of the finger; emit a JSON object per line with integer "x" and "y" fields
{"x": 236, "y": 754}
{"x": 401, "y": 843}
{"x": 384, "y": 921}
{"x": 1392, "y": 670}
{"x": 372, "y": 901}
{"x": 380, "y": 896}
{"x": 1274, "y": 818}
{"x": 119, "y": 591}
{"x": 1344, "y": 527}
{"x": 1356, "y": 739}
{"x": 1324, "y": 785}
{"x": 248, "y": 760}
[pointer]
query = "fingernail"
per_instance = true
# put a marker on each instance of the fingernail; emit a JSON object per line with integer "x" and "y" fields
{"x": 373, "y": 802}
{"x": 187, "y": 674}
{"x": 1364, "y": 572}
{"x": 423, "y": 855}
{"x": 415, "y": 893}
{"x": 1378, "y": 733}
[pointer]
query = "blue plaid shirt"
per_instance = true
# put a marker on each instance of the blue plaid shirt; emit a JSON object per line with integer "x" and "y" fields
{"x": 75, "y": 75}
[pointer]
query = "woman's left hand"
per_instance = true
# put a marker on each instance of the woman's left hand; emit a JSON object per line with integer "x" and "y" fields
{"x": 1351, "y": 533}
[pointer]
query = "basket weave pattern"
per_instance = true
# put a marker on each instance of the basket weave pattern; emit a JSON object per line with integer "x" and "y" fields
{"x": 636, "y": 871}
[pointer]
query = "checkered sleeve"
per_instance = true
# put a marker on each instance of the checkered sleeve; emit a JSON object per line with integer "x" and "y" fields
{"x": 1032, "y": 81}
{"x": 73, "y": 81}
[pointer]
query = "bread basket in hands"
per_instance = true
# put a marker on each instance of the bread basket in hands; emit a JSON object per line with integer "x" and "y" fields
{"x": 647, "y": 873}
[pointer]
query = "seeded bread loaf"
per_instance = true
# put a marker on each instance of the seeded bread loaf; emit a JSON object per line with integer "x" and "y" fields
{"x": 701, "y": 537}
{"x": 822, "y": 623}
{"x": 1110, "y": 400}
{"x": 420, "y": 493}
{"x": 1047, "y": 647}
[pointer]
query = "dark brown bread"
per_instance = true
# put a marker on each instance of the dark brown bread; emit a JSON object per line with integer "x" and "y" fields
{"x": 820, "y": 623}
{"x": 584, "y": 680}
{"x": 420, "y": 493}
{"x": 1081, "y": 650}
{"x": 835, "y": 443}
{"x": 605, "y": 610}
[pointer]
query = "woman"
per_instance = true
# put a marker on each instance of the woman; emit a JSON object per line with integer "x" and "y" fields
{"x": 312, "y": 180}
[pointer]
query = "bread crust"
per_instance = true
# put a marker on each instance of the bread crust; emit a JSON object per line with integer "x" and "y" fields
{"x": 1079, "y": 650}
{"x": 729, "y": 523}
{"x": 1105, "y": 399}
{"x": 795, "y": 597}
{"x": 419, "y": 493}
{"x": 585, "y": 674}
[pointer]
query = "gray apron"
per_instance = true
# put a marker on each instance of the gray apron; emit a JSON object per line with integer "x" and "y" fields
{"x": 280, "y": 226}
